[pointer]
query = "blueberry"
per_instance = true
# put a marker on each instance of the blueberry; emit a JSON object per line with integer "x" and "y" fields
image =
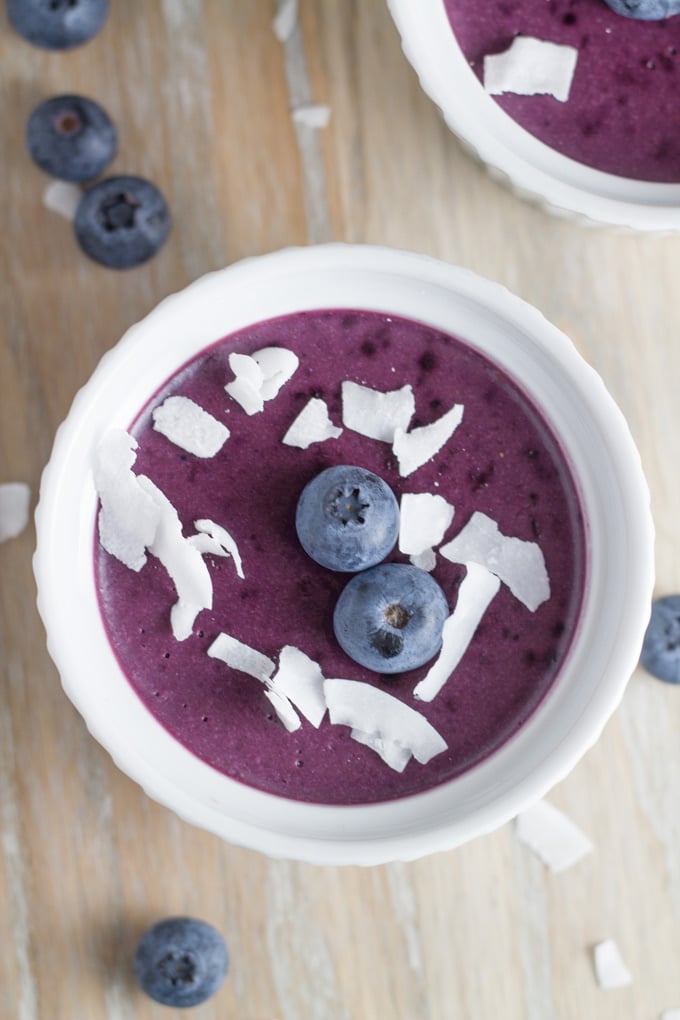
{"x": 122, "y": 221}
{"x": 71, "y": 137}
{"x": 390, "y": 618}
{"x": 661, "y": 646}
{"x": 57, "y": 24}
{"x": 347, "y": 518}
{"x": 181, "y": 962}
{"x": 645, "y": 10}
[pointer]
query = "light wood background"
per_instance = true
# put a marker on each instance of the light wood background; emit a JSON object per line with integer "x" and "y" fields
{"x": 201, "y": 91}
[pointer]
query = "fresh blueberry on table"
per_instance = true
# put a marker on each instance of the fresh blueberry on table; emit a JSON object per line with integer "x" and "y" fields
{"x": 390, "y": 618}
{"x": 122, "y": 221}
{"x": 347, "y": 518}
{"x": 661, "y": 646}
{"x": 181, "y": 962}
{"x": 71, "y": 137}
{"x": 57, "y": 24}
{"x": 645, "y": 10}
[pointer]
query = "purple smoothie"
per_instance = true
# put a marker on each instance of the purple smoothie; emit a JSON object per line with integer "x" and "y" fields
{"x": 622, "y": 113}
{"x": 503, "y": 460}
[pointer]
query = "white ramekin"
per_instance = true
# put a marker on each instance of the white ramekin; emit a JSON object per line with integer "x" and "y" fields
{"x": 606, "y": 468}
{"x": 531, "y": 168}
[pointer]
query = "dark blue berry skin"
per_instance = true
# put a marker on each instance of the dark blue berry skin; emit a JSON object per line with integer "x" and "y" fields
{"x": 181, "y": 962}
{"x": 57, "y": 24}
{"x": 390, "y": 618}
{"x": 645, "y": 10}
{"x": 122, "y": 221}
{"x": 661, "y": 646}
{"x": 71, "y": 137}
{"x": 347, "y": 518}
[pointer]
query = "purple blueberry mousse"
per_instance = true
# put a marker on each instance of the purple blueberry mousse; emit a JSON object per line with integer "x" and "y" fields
{"x": 502, "y": 460}
{"x": 622, "y": 112}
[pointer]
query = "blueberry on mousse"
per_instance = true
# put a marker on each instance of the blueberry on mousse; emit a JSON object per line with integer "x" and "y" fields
{"x": 57, "y": 24}
{"x": 122, "y": 221}
{"x": 645, "y": 10}
{"x": 181, "y": 962}
{"x": 661, "y": 646}
{"x": 390, "y": 618}
{"x": 347, "y": 519}
{"x": 71, "y": 137}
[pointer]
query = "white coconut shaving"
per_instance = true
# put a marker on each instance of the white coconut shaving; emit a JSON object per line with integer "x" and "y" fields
{"x": 285, "y": 21}
{"x": 215, "y": 540}
{"x": 189, "y": 426}
{"x": 260, "y": 377}
{"x": 15, "y": 498}
{"x": 518, "y": 563}
{"x": 552, "y": 836}
{"x": 531, "y": 67}
{"x": 476, "y": 591}
{"x": 375, "y": 414}
{"x": 423, "y": 520}
{"x": 63, "y": 197}
{"x": 284, "y": 710}
{"x": 413, "y": 449}
{"x": 312, "y": 425}
{"x": 425, "y": 560}
{"x": 237, "y": 655}
{"x": 374, "y": 712}
{"x": 394, "y": 755}
{"x": 300, "y": 679}
{"x": 610, "y": 970}
{"x": 183, "y": 563}
{"x": 312, "y": 115}
{"x": 129, "y": 516}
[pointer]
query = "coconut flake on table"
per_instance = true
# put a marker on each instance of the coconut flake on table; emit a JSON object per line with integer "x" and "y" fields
{"x": 476, "y": 591}
{"x": 15, "y": 498}
{"x": 189, "y": 426}
{"x": 214, "y": 540}
{"x": 312, "y": 425}
{"x": 518, "y": 563}
{"x": 531, "y": 67}
{"x": 610, "y": 969}
{"x": 182, "y": 561}
{"x": 413, "y": 449}
{"x": 552, "y": 836}
{"x": 423, "y": 520}
{"x": 312, "y": 115}
{"x": 380, "y": 715}
{"x": 375, "y": 414}
{"x": 63, "y": 197}
{"x": 285, "y": 20}
{"x": 129, "y": 516}
{"x": 300, "y": 679}
{"x": 260, "y": 377}
{"x": 284, "y": 710}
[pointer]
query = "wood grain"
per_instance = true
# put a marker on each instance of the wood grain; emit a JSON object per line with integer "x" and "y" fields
{"x": 202, "y": 92}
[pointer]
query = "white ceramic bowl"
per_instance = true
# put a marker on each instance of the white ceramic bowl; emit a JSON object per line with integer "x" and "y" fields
{"x": 606, "y": 468}
{"x": 530, "y": 167}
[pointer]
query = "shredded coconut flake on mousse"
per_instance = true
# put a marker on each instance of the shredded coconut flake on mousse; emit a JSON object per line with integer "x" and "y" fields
{"x": 188, "y": 426}
{"x": 260, "y": 376}
{"x": 423, "y": 520}
{"x": 312, "y": 425}
{"x": 531, "y": 67}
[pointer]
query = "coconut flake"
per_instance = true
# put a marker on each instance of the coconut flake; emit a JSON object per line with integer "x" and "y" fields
{"x": 423, "y": 519}
{"x": 277, "y": 365}
{"x": 394, "y": 755}
{"x": 552, "y": 836}
{"x": 312, "y": 115}
{"x": 63, "y": 197}
{"x": 300, "y": 679}
{"x": 15, "y": 498}
{"x": 610, "y": 970}
{"x": 477, "y": 589}
{"x": 413, "y": 449}
{"x": 312, "y": 425}
{"x": 375, "y": 414}
{"x": 222, "y": 543}
{"x": 182, "y": 561}
{"x": 189, "y": 426}
{"x": 426, "y": 560}
{"x": 372, "y": 711}
{"x": 284, "y": 710}
{"x": 237, "y": 655}
{"x": 260, "y": 377}
{"x": 518, "y": 563}
{"x": 129, "y": 516}
{"x": 531, "y": 67}
{"x": 285, "y": 21}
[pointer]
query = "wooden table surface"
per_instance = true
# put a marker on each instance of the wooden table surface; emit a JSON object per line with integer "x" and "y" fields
{"x": 201, "y": 91}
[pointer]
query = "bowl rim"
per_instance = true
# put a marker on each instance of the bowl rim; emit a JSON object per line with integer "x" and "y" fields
{"x": 247, "y": 828}
{"x": 531, "y": 168}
